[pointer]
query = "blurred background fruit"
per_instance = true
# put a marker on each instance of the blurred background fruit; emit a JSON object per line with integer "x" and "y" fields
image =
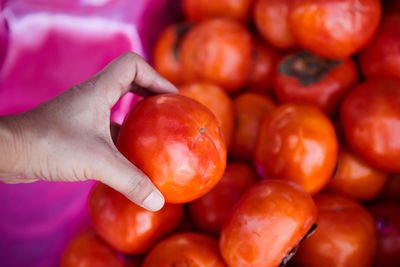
{"x": 219, "y": 51}
{"x": 298, "y": 143}
{"x": 354, "y": 178}
{"x": 209, "y": 212}
{"x": 185, "y": 249}
{"x": 305, "y": 78}
{"x": 272, "y": 20}
{"x": 250, "y": 110}
{"x": 345, "y": 236}
{"x": 267, "y": 222}
{"x": 126, "y": 226}
{"x": 370, "y": 116}
{"x": 334, "y": 29}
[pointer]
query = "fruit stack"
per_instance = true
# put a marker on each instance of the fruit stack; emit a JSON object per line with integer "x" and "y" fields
{"x": 281, "y": 148}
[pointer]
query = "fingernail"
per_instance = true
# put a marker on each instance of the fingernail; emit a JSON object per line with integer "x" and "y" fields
{"x": 154, "y": 201}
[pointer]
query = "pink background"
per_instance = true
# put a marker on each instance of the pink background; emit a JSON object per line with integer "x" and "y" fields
{"x": 46, "y": 46}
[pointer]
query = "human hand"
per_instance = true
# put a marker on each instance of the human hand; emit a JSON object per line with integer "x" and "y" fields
{"x": 68, "y": 137}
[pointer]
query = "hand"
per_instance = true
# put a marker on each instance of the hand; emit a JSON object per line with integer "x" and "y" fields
{"x": 68, "y": 137}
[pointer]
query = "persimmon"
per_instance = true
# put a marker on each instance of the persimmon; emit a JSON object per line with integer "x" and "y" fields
{"x": 346, "y": 235}
{"x": 218, "y": 50}
{"x": 370, "y": 116}
{"x": 334, "y": 29}
{"x": 266, "y": 224}
{"x": 218, "y": 101}
{"x": 126, "y": 226}
{"x": 250, "y": 110}
{"x": 177, "y": 142}
{"x": 298, "y": 143}
{"x": 209, "y": 212}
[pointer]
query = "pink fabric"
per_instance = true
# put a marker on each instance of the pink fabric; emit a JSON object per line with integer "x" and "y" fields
{"x": 46, "y": 46}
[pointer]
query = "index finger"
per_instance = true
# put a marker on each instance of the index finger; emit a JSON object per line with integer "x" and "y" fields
{"x": 118, "y": 77}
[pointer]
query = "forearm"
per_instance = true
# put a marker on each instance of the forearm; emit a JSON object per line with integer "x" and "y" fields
{"x": 12, "y": 157}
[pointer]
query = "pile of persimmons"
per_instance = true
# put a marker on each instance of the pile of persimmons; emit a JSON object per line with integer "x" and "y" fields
{"x": 282, "y": 144}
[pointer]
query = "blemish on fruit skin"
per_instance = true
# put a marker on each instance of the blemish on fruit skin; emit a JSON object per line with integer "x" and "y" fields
{"x": 202, "y": 130}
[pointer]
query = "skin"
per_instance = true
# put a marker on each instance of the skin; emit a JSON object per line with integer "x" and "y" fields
{"x": 267, "y": 222}
{"x": 334, "y": 29}
{"x": 250, "y": 110}
{"x": 185, "y": 249}
{"x": 218, "y": 101}
{"x": 209, "y": 212}
{"x": 178, "y": 143}
{"x": 271, "y": 19}
{"x": 204, "y": 9}
{"x": 381, "y": 58}
{"x": 126, "y": 226}
{"x": 345, "y": 236}
{"x": 68, "y": 138}
{"x": 387, "y": 217}
{"x": 370, "y": 115}
{"x": 87, "y": 249}
{"x": 355, "y": 178}
{"x": 306, "y": 78}
{"x": 297, "y": 143}
{"x": 219, "y": 51}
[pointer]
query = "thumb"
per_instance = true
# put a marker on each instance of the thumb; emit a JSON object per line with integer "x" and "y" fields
{"x": 123, "y": 176}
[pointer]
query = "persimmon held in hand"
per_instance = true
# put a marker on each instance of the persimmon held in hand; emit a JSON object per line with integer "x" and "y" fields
{"x": 177, "y": 142}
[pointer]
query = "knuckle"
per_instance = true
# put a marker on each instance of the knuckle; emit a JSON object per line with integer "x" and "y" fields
{"x": 138, "y": 188}
{"x": 130, "y": 55}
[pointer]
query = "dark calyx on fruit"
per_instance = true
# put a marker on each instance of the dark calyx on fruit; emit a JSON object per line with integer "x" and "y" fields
{"x": 180, "y": 29}
{"x": 306, "y": 67}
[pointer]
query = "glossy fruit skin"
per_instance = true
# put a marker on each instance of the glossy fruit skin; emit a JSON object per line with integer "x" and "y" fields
{"x": 370, "y": 116}
{"x": 334, "y": 29}
{"x": 306, "y": 78}
{"x": 250, "y": 110}
{"x": 87, "y": 250}
{"x": 209, "y": 212}
{"x": 262, "y": 69}
{"x": 177, "y": 142}
{"x": 185, "y": 249}
{"x": 219, "y": 51}
{"x": 267, "y": 222}
{"x": 381, "y": 58}
{"x": 355, "y": 179}
{"x": 298, "y": 143}
{"x": 198, "y": 10}
{"x": 272, "y": 20}
{"x": 217, "y": 100}
{"x": 166, "y": 56}
{"x": 345, "y": 236}
{"x": 126, "y": 226}
{"x": 387, "y": 217}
